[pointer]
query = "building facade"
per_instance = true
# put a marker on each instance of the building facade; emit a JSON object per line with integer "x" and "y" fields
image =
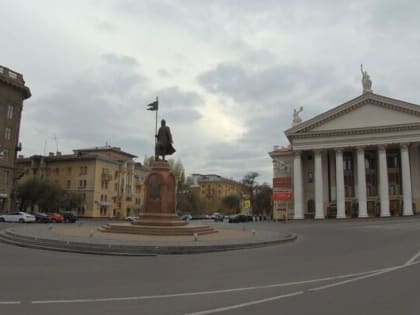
{"x": 211, "y": 189}
{"x": 110, "y": 183}
{"x": 359, "y": 159}
{"x": 13, "y": 92}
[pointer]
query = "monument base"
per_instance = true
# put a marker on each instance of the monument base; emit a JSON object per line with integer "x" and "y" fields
{"x": 159, "y": 217}
{"x": 158, "y": 230}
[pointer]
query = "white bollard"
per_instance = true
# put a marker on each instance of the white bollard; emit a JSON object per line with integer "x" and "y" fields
{"x": 195, "y": 237}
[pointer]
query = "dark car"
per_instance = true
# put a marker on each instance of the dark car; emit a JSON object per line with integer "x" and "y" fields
{"x": 42, "y": 217}
{"x": 236, "y": 218}
{"x": 218, "y": 217}
{"x": 69, "y": 217}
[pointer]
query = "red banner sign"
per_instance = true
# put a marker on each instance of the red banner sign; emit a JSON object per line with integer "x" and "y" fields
{"x": 282, "y": 182}
{"x": 282, "y": 195}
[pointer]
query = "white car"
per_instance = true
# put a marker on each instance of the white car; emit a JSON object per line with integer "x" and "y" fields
{"x": 132, "y": 218}
{"x": 21, "y": 217}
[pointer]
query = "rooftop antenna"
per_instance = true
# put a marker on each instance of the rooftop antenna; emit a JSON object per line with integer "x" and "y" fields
{"x": 56, "y": 142}
{"x": 45, "y": 147}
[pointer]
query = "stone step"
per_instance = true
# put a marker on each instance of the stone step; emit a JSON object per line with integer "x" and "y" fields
{"x": 158, "y": 230}
{"x": 152, "y": 222}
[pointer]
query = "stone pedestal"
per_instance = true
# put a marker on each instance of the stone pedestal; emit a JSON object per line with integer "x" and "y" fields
{"x": 159, "y": 216}
{"x": 160, "y": 198}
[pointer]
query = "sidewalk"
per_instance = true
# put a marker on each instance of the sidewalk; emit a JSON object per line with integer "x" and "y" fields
{"x": 84, "y": 237}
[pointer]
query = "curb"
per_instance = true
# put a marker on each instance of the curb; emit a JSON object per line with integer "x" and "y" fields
{"x": 11, "y": 237}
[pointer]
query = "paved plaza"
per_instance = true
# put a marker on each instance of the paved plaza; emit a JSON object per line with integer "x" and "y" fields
{"x": 360, "y": 266}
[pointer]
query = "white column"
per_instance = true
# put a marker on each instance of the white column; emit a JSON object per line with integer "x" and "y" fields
{"x": 319, "y": 198}
{"x": 361, "y": 183}
{"x": 297, "y": 186}
{"x": 341, "y": 206}
{"x": 406, "y": 180}
{"x": 383, "y": 182}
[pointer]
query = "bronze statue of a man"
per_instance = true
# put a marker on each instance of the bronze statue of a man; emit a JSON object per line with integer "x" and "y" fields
{"x": 164, "y": 141}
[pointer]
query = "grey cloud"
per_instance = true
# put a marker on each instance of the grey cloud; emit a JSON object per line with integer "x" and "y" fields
{"x": 120, "y": 60}
{"x": 179, "y": 106}
{"x": 266, "y": 85}
{"x": 395, "y": 15}
{"x": 93, "y": 105}
{"x": 106, "y": 26}
{"x": 174, "y": 98}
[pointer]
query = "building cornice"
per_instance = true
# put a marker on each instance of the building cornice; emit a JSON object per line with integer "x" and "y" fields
{"x": 356, "y": 131}
{"x": 367, "y": 98}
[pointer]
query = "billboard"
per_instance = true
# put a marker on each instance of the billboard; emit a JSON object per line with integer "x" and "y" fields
{"x": 282, "y": 182}
{"x": 282, "y": 195}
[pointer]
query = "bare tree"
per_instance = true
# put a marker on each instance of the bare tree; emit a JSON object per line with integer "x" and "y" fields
{"x": 250, "y": 183}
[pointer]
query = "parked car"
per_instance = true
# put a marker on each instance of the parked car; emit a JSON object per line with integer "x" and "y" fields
{"x": 20, "y": 217}
{"x": 131, "y": 218}
{"x": 56, "y": 218}
{"x": 42, "y": 217}
{"x": 236, "y": 218}
{"x": 218, "y": 217}
{"x": 186, "y": 217}
{"x": 69, "y": 217}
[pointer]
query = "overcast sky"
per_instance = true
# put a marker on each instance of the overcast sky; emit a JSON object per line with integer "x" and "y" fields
{"x": 228, "y": 74}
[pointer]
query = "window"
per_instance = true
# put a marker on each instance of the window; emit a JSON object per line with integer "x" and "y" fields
{"x": 370, "y": 163}
{"x": 69, "y": 171}
{"x": 310, "y": 177}
{"x": 348, "y": 164}
{"x": 82, "y": 183}
{"x": 103, "y": 211}
{"x": 4, "y": 154}
{"x": 393, "y": 161}
{"x": 56, "y": 171}
{"x": 7, "y": 133}
{"x": 83, "y": 170}
{"x": 68, "y": 183}
{"x": 6, "y": 178}
{"x": 10, "y": 109}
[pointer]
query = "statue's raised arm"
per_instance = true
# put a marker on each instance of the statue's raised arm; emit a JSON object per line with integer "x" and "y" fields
{"x": 366, "y": 82}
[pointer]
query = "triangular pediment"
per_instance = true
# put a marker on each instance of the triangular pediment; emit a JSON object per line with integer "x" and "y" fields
{"x": 364, "y": 112}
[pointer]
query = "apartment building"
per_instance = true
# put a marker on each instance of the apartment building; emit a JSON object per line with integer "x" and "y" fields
{"x": 109, "y": 181}
{"x": 211, "y": 190}
{"x": 13, "y": 92}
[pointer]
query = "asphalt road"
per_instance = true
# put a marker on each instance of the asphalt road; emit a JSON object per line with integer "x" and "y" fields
{"x": 335, "y": 267}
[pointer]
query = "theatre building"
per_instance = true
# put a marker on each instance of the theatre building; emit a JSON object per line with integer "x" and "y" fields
{"x": 359, "y": 159}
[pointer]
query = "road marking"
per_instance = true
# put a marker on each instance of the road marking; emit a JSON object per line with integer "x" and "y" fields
{"x": 358, "y": 276}
{"x": 232, "y": 307}
{"x": 412, "y": 259}
{"x": 380, "y": 272}
{"x": 149, "y": 297}
{"x": 10, "y": 302}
